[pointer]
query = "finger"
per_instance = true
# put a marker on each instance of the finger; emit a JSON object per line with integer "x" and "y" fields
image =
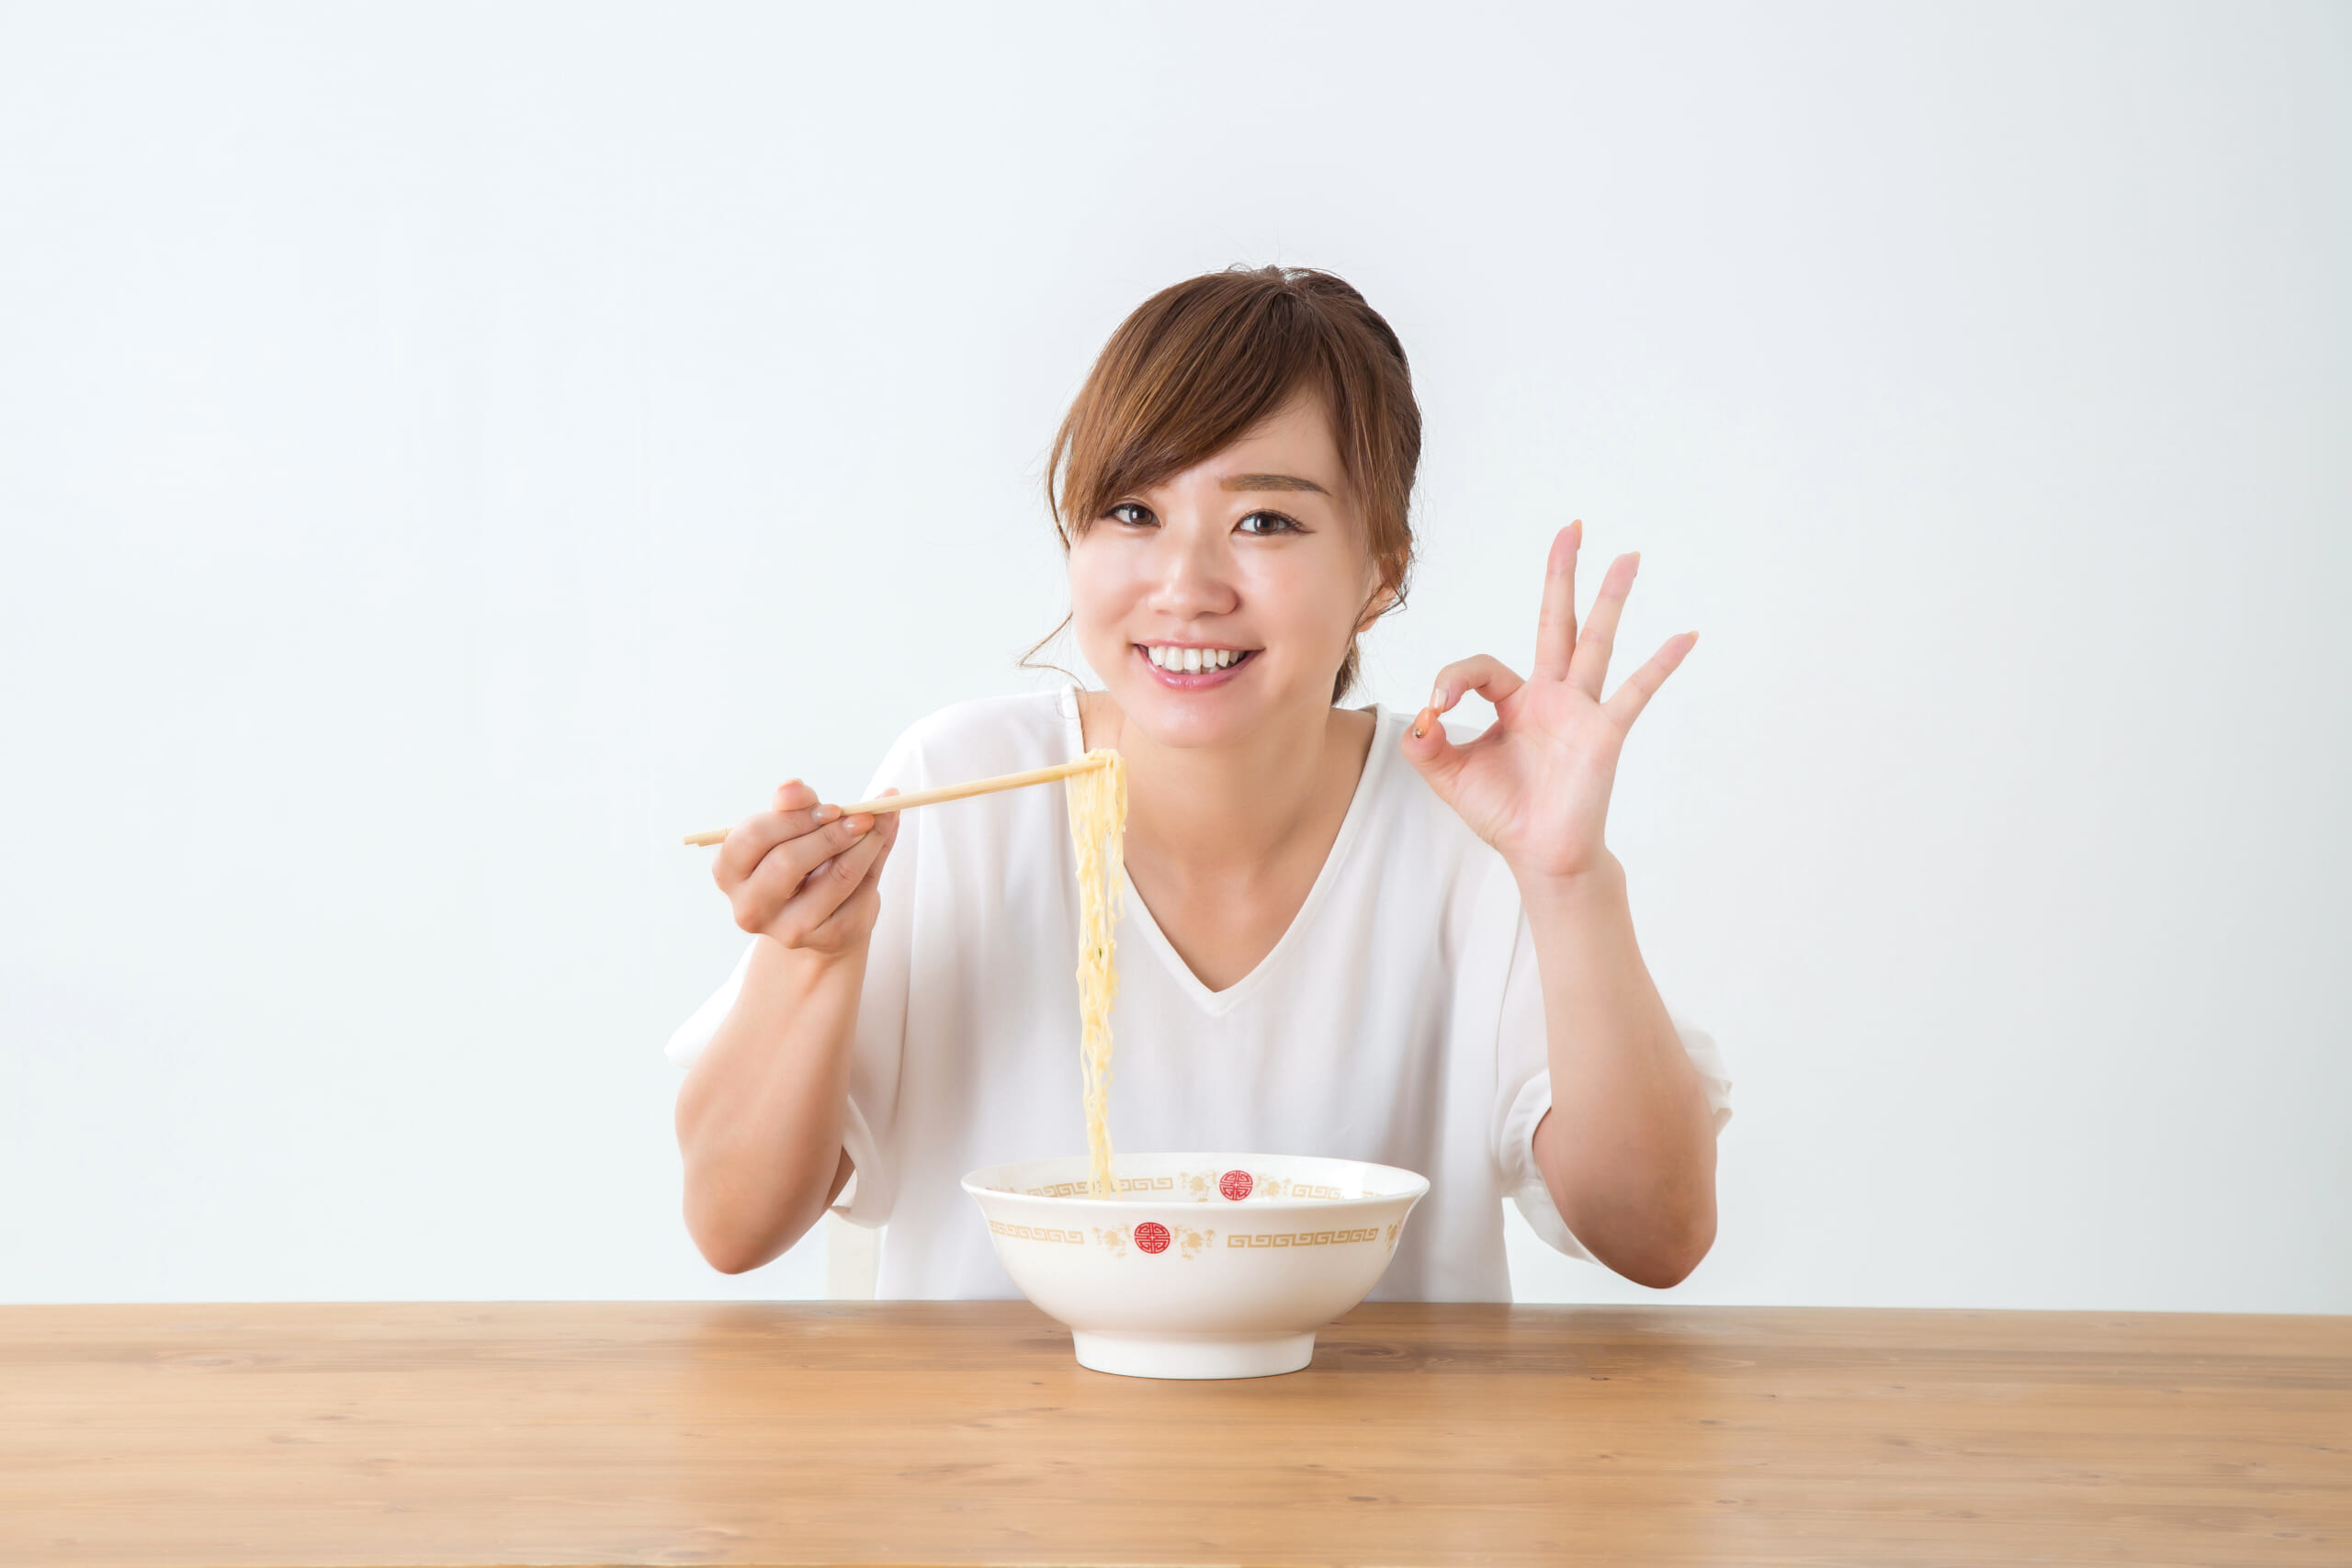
{"x": 1434, "y": 753}
{"x": 885, "y": 830}
{"x": 1488, "y": 676}
{"x": 1643, "y": 684}
{"x": 853, "y": 865}
{"x": 868, "y": 890}
{"x": 791, "y": 863}
{"x": 853, "y": 915}
{"x": 793, "y": 809}
{"x": 1590, "y": 665}
{"x": 750, "y": 841}
{"x": 827, "y": 888}
{"x": 1555, "y": 626}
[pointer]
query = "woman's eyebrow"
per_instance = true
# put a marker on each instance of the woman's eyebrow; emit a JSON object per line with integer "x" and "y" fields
{"x": 1270, "y": 482}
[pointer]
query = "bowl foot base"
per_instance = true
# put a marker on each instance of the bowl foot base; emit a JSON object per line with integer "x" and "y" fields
{"x": 1132, "y": 1354}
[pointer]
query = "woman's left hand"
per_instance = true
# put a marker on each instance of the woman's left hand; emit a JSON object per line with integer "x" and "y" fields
{"x": 1536, "y": 783}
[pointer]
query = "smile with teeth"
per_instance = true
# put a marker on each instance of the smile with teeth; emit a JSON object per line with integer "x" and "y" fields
{"x": 1191, "y": 661}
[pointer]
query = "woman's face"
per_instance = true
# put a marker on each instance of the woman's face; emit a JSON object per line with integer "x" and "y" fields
{"x": 1222, "y": 599}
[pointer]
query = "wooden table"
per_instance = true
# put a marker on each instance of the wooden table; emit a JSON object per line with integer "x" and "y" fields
{"x": 964, "y": 1433}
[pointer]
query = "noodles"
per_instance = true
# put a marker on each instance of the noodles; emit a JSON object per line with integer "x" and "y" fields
{"x": 1098, "y": 823}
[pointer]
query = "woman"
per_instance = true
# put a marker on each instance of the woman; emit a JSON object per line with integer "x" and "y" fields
{"x": 1347, "y": 933}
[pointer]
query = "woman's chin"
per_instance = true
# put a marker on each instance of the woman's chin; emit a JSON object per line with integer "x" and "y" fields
{"x": 1219, "y": 716}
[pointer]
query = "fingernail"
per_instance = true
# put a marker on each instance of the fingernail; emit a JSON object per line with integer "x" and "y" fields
{"x": 827, "y": 813}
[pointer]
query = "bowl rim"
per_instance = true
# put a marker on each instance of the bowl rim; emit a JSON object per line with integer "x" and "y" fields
{"x": 1415, "y": 1185}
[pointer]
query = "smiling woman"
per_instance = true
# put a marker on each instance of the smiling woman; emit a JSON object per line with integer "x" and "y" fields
{"x": 1348, "y": 935}
{"x": 1201, "y": 365}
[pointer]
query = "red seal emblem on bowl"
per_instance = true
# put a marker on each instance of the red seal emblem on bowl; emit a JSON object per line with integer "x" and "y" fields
{"x": 1151, "y": 1236}
{"x": 1234, "y": 1184}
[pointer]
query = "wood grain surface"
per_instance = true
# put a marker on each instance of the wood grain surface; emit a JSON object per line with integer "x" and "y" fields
{"x": 964, "y": 1433}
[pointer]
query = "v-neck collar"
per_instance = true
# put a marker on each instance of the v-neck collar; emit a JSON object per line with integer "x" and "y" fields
{"x": 1138, "y": 915}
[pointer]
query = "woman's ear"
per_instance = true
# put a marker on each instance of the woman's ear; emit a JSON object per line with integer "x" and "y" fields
{"x": 1383, "y": 599}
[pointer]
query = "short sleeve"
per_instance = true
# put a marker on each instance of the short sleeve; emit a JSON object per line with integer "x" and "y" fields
{"x": 1523, "y": 1082}
{"x": 881, "y": 1011}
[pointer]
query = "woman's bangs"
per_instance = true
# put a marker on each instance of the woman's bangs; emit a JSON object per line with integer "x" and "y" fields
{"x": 1181, "y": 399}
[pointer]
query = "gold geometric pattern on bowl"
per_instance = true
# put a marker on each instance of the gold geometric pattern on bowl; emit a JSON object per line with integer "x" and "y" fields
{"x": 1301, "y": 1238}
{"x": 1038, "y": 1233}
{"x": 1122, "y": 1183}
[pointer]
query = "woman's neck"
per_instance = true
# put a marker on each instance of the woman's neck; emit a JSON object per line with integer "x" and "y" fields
{"x": 1211, "y": 812}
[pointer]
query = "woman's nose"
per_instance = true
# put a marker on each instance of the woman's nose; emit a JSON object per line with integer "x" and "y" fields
{"x": 1195, "y": 575}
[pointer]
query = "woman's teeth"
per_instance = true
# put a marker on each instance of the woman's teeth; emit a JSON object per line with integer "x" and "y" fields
{"x": 1191, "y": 659}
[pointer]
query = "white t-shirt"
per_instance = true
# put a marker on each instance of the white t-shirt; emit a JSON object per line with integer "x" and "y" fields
{"x": 1398, "y": 1020}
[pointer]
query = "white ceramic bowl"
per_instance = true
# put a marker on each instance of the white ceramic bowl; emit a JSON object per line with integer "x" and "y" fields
{"x": 1204, "y": 1266}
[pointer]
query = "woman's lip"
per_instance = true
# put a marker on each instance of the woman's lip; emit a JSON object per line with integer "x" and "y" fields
{"x": 1192, "y": 680}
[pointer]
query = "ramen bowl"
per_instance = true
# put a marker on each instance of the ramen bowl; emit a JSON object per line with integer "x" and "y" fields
{"x": 1204, "y": 1265}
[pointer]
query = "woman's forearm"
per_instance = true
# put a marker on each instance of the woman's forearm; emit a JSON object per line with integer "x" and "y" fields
{"x": 760, "y": 1116}
{"x": 1628, "y": 1148}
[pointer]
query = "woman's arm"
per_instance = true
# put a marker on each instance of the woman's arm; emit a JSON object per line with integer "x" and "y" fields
{"x": 1628, "y": 1148}
{"x": 760, "y": 1116}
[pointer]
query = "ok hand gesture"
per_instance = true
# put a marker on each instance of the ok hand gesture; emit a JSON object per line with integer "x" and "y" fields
{"x": 1535, "y": 786}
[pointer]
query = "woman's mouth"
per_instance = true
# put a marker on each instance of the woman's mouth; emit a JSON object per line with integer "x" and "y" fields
{"x": 1192, "y": 667}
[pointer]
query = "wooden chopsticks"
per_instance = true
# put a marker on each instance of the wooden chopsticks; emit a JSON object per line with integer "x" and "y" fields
{"x": 933, "y": 797}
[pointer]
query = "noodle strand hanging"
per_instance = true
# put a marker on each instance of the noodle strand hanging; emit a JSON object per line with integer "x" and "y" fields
{"x": 1098, "y": 823}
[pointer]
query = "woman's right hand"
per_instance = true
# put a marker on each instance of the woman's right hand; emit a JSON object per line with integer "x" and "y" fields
{"x": 805, "y": 875}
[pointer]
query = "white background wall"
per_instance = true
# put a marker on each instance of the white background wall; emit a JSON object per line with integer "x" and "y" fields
{"x": 447, "y": 454}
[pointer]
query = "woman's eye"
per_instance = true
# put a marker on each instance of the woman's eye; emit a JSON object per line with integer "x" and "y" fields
{"x": 1268, "y": 523}
{"x": 1127, "y": 512}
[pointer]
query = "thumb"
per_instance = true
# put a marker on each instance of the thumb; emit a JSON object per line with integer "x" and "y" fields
{"x": 1434, "y": 753}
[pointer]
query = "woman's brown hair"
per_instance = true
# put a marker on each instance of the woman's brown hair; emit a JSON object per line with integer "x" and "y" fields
{"x": 1200, "y": 363}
